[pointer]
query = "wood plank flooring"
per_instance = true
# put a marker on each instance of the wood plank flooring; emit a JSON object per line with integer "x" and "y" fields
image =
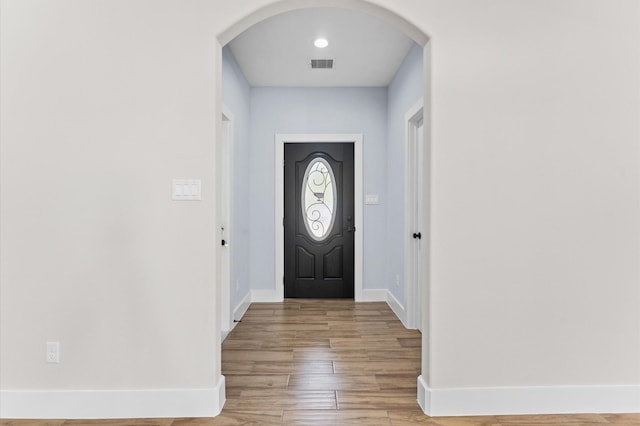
{"x": 327, "y": 362}
{"x": 331, "y": 361}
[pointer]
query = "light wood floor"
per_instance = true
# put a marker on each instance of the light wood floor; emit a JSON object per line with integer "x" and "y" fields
{"x": 322, "y": 362}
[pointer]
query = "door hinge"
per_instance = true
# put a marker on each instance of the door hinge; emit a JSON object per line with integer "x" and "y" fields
{"x": 283, "y": 221}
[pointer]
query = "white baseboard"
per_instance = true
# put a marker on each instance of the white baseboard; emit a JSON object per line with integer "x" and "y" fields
{"x": 221, "y": 392}
{"x": 528, "y": 400}
{"x": 368, "y": 295}
{"x": 269, "y": 296}
{"x": 238, "y": 313}
{"x": 112, "y": 404}
{"x": 397, "y": 308}
{"x": 423, "y": 394}
{"x": 374, "y": 295}
{"x": 242, "y": 307}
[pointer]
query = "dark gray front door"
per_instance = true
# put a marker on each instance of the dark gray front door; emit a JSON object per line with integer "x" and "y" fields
{"x": 318, "y": 220}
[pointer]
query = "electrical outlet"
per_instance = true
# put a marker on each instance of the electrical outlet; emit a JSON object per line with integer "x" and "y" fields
{"x": 53, "y": 352}
{"x": 397, "y": 280}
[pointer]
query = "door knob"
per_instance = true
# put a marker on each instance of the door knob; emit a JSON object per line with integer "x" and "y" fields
{"x": 418, "y": 235}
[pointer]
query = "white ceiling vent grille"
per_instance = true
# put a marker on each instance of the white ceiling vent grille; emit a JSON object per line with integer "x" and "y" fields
{"x": 322, "y": 64}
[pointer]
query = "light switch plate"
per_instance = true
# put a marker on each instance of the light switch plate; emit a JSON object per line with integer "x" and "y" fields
{"x": 371, "y": 199}
{"x": 186, "y": 190}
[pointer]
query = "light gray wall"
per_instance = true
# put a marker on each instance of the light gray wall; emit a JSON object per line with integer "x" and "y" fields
{"x": 236, "y": 95}
{"x": 535, "y": 196}
{"x": 406, "y": 88}
{"x": 102, "y": 105}
{"x": 317, "y": 110}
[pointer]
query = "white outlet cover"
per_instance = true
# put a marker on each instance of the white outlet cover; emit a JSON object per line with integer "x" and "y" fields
{"x": 53, "y": 352}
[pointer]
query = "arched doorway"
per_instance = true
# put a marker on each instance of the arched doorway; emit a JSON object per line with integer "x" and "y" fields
{"x": 422, "y": 40}
{"x": 362, "y": 6}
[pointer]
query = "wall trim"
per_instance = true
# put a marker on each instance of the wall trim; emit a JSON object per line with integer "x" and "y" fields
{"x": 225, "y": 333}
{"x": 382, "y": 13}
{"x": 373, "y": 295}
{"x": 397, "y": 308}
{"x": 528, "y": 400}
{"x": 423, "y": 393}
{"x": 266, "y": 296}
{"x": 111, "y": 404}
{"x": 242, "y": 307}
{"x": 237, "y": 315}
{"x": 271, "y": 296}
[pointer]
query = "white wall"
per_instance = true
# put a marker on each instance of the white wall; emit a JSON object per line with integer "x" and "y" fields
{"x": 535, "y": 193}
{"x": 316, "y": 110}
{"x": 405, "y": 89}
{"x": 535, "y": 208}
{"x": 236, "y": 95}
{"x": 103, "y": 103}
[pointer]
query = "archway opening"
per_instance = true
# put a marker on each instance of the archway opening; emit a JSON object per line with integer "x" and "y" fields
{"x": 400, "y": 304}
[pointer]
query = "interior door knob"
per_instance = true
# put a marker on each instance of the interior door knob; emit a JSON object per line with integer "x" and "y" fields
{"x": 418, "y": 235}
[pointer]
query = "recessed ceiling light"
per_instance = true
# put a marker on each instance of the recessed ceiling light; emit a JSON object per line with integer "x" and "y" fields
{"x": 321, "y": 43}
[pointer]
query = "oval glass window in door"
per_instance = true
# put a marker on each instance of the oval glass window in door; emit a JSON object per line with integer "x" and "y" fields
{"x": 318, "y": 198}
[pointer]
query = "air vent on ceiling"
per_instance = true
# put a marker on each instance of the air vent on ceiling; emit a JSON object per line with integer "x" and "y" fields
{"x": 322, "y": 64}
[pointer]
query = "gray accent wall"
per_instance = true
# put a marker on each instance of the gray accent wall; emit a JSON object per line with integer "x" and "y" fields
{"x": 404, "y": 91}
{"x": 317, "y": 110}
{"x": 378, "y": 113}
{"x": 236, "y": 94}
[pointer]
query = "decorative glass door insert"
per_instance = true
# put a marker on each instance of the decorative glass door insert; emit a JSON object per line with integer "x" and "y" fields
{"x": 318, "y": 198}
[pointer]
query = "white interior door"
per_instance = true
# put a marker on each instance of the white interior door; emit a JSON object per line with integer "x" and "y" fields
{"x": 415, "y": 237}
{"x": 224, "y": 178}
{"x": 419, "y": 209}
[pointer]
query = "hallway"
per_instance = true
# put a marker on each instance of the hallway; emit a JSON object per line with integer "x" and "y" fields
{"x": 321, "y": 361}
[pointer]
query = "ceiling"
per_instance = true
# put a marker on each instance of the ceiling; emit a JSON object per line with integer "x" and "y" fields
{"x": 277, "y": 51}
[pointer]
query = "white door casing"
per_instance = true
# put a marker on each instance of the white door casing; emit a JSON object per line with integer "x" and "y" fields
{"x": 280, "y": 140}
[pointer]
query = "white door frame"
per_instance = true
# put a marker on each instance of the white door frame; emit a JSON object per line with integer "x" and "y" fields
{"x": 356, "y": 139}
{"x": 225, "y": 212}
{"x": 413, "y": 271}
